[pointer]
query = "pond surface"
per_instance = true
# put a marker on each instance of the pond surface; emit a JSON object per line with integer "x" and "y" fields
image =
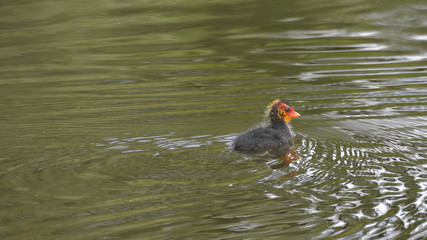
{"x": 117, "y": 119}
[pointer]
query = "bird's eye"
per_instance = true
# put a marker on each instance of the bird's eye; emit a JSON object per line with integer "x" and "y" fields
{"x": 287, "y": 109}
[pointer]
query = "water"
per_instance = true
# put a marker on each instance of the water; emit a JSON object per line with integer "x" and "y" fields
{"x": 117, "y": 119}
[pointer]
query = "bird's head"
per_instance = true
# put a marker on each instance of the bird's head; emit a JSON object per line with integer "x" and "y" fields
{"x": 280, "y": 111}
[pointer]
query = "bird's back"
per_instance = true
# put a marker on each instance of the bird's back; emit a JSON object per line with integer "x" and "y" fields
{"x": 263, "y": 139}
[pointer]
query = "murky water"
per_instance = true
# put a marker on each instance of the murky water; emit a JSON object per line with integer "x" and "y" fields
{"x": 117, "y": 119}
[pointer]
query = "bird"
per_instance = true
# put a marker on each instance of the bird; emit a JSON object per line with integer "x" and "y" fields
{"x": 273, "y": 136}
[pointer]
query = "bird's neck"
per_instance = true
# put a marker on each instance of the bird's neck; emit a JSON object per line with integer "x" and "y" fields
{"x": 284, "y": 128}
{"x": 279, "y": 124}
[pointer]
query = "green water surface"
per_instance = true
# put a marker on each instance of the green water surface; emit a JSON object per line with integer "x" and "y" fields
{"x": 117, "y": 119}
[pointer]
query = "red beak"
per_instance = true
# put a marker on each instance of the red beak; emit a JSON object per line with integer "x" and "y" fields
{"x": 294, "y": 114}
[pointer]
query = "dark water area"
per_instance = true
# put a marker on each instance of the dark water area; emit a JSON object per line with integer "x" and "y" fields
{"x": 117, "y": 119}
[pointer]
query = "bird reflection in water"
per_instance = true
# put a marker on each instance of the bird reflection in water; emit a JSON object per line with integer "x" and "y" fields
{"x": 284, "y": 160}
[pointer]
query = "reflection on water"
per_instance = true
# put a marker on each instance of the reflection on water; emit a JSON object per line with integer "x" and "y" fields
{"x": 118, "y": 118}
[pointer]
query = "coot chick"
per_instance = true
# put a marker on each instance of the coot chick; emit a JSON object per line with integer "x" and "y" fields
{"x": 274, "y": 136}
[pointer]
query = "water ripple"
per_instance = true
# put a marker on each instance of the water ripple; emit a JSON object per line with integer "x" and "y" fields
{"x": 308, "y": 34}
{"x": 314, "y": 75}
